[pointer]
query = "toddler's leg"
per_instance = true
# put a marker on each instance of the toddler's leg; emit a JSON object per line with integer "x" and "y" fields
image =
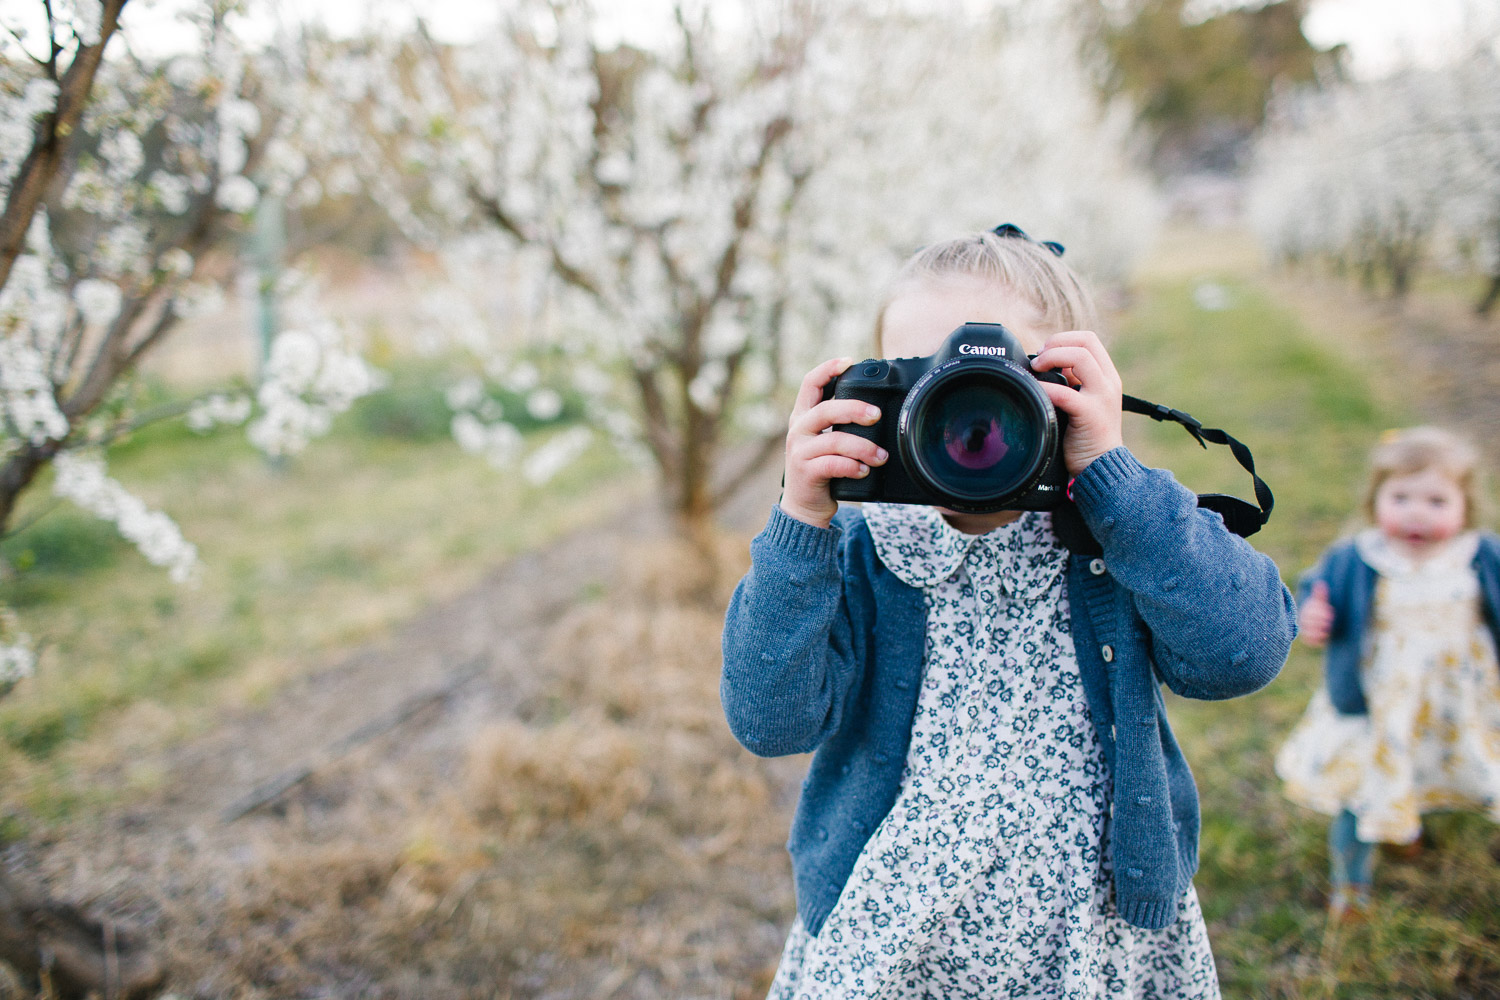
{"x": 1353, "y": 863}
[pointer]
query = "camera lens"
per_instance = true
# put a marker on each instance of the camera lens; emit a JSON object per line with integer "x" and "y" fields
{"x": 978, "y": 437}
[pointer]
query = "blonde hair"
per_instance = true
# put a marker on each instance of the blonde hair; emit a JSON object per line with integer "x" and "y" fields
{"x": 1412, "y": 450}
{"x": 1027, "y": 268}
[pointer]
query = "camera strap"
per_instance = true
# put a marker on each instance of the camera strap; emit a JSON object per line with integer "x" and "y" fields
{"x": 1240, "y": 516}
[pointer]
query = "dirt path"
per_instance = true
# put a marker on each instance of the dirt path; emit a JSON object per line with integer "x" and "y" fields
{"x": 387, "y": 874}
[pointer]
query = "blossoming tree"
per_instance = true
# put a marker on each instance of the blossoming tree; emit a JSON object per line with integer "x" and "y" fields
{"x": 1379, "y": 176}
{"x": 716, "y": 207}
{"x": 119, "y": 176}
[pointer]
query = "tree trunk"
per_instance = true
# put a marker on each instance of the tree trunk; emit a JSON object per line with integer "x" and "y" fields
{"x": 16, "y": 474}
{"x": 1491, "y": 296}
{"x": 69, "y": 955}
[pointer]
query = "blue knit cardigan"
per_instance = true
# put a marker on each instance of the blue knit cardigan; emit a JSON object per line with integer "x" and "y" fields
{"x": 823, "y": 652}
{"x": 1351, "y": 591}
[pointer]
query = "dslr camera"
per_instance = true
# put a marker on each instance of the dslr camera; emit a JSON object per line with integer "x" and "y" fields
{"x": 967, "y": 428}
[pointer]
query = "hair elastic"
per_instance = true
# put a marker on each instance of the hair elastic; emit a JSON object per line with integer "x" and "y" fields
{"x": 1010, "y": 230}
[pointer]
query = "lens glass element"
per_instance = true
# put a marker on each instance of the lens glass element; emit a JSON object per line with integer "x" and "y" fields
{"x": 977, "y": 437}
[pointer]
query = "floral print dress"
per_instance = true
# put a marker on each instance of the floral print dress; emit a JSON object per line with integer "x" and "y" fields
{"x": 1431, "y": 739}
{"x": 990, "y": 876}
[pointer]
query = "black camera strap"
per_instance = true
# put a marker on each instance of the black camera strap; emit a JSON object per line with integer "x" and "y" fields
{"x": 1240, "y": 516}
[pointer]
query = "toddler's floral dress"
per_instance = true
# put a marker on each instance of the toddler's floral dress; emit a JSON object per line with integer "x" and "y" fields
{"x": 1431, "y": 739}
{"x": 990, "y": 876}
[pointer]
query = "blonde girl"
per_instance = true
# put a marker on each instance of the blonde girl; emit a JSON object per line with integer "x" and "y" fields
{"x": 1408, "y": 720}
{"x": 996, "y": 805}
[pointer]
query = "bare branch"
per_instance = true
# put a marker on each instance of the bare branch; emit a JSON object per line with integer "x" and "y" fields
{"x": 565, "y": 270}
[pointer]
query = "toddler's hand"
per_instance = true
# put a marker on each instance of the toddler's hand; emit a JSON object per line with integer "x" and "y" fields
{"x": 813, "y": 457}
{"x": 1094, "y": 410}
{"x": 1315, "y": 617}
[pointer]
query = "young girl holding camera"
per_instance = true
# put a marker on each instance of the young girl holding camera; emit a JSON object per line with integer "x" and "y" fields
{"x": 1408, "y": 720}
{"x": 996, "y": 804}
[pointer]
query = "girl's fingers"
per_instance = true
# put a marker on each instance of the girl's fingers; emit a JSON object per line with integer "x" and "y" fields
{"x": 829, "y": 467}
{"x": 850, "y": 446}
{"x": 811, "y": 391}
{"x": 1081, "y": 365}
{"x": 1088, "y": 341}
{"x": 833, "y": 411}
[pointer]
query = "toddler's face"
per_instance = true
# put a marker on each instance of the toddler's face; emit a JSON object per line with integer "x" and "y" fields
{"x": 1420, "y": 511}
{"x": 922, "y": 314}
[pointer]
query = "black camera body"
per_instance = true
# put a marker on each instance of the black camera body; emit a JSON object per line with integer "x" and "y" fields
{"x": 967, "y": 428}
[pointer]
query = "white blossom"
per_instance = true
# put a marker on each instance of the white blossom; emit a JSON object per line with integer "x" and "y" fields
{"x": 83, "y": 480}
{"x": 499, "y": 443}
{"x": 311, "y": 376}
{"x": 17, "y": 654}
{"x": 544, "y": 404}
{"x": 172, "y": 190}
{"x": 237, "y": 194}
{"x": 98, "y": 301}
{"x": 218, "y": 409}
{"x": 556, "y": 454}
{"x": 86, "y": 16}
{"x": 465, "y": 394}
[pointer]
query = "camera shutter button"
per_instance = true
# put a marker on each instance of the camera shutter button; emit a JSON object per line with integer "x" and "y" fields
{"x": 871, "y": 371}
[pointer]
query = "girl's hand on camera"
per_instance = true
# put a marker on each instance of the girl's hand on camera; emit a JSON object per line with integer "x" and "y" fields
{"x": 1094, "y": 409}
{"x": 1315, "y": 617}
{"x": 815, "y": 454}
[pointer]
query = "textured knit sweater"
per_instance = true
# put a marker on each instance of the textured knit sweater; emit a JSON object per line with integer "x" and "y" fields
{"x": 1351, "y": 592}
{"x": 823, "y": 654}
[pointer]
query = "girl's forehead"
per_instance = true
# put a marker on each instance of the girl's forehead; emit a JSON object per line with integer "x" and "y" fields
{"x": 923, "y": 311}
{"x": 1433, "y": 477}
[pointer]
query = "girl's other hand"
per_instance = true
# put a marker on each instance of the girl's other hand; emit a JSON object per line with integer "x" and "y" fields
{"x": 815, "y": 454}
{"x": 1094, "y": 409}
{"x": 1315, "y": 617}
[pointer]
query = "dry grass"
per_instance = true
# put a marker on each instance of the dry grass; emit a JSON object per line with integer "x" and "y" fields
{"x": 609, "y": 840}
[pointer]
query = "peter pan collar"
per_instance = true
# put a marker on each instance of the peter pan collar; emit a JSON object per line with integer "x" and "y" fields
{"x": 916, "y": 543}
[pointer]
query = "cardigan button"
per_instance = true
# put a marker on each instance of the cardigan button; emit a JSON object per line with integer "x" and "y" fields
{"x": 1108, "y": 652}
{"x": 1096, "y": 567}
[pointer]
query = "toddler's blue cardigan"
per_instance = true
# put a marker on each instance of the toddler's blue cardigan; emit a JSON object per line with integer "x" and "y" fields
{"x": 823, "y": 652}
{"x": 1351, "y": 592}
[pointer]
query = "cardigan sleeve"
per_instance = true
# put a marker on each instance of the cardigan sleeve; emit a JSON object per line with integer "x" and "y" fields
{"x": 787, "y": 642}
{"x": 1221, "y": 621}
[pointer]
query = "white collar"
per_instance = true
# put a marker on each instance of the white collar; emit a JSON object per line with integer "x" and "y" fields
{"x": 1389, "y": 560}
{"x": 922, "y": 549}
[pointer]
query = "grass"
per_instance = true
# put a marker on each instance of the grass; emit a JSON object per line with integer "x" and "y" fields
{"x": 1309, "y": 406}
{"x": 300, "y": 560}
{"x": 611, "y": 837}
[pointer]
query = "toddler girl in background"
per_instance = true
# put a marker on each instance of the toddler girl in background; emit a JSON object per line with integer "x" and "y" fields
{"x": 1408, "y": 720}
{"x": 996, "y": 804}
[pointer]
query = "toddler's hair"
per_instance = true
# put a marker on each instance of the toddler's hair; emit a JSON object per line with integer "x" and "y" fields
{"x": 1411, "y": 450}
{"x": 1025, "y": 267}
